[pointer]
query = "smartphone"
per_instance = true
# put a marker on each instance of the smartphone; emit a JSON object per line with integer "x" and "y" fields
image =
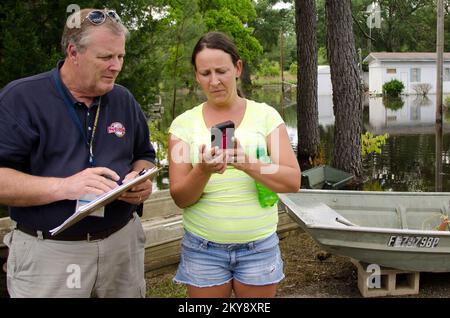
{"x": 222, "y": 134}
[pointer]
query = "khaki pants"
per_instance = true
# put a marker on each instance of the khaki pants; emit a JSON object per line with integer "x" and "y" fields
{"x": 112, "y": 267}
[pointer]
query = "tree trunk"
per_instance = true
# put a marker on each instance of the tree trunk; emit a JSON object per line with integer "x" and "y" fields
{"x": 175, "y": 72}
{"x": 308, "y": 133}
{"x": 347, "y": 93}
{"x": 245, "y": 75}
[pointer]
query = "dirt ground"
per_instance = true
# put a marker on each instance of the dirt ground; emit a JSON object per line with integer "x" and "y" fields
{"x": 310, "y": 272}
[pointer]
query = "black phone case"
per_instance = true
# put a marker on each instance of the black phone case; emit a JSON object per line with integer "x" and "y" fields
{"x": 219, "y": 131}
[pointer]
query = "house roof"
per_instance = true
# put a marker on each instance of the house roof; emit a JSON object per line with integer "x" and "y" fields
{"x": 404, "y": 57}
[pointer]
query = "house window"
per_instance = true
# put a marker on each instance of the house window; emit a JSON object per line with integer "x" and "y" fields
{"x": 446, "y": 74}
{"x": 391, "y": 71}
{"x": 415, "y": 75}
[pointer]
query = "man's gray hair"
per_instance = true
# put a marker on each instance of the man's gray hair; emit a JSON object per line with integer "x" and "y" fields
{"x": 78, "y": 29}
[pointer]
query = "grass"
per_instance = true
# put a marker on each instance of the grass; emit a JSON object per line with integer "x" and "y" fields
{"x": 273, "y": 80}
{"x": 162, "y": 286}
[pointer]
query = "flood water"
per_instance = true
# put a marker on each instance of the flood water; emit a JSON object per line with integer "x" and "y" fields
{"x": 407, "y": 161}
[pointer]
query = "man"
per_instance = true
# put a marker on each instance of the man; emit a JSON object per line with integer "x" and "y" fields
{"x": 69, "y": 133}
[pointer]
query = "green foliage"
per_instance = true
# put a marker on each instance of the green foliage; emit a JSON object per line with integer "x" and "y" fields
{"x": 242, "y": 9}
{"x": 225, "y": 21}
{"x": 233, "y": 17}
{"x": 29, "y": 37}
{"x": 290, "y": 49}
{"x": 161, "y": 138}
{"x": 405, "y": 26}
{"x": 321, "y": 26}
{"x": 268, "y": 26}
{"x": 269, "y": 22}
{"x": 372, "y": 185}
{"x": 183, "y": 27}
{"x": 447, "y": 101}
{"x": 371, "y": 143}
{"x": 268, "y": 68}
{"x": 293, "y": 69}
{"x": 142, "y": 70}
{"x": 393, "y": 88}
{"x": 31, "y": 33}
{"x": 322, "y": 59}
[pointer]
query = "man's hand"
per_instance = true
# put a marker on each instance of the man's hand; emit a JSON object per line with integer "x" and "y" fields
{"x": 139, "y": 193}
{"x": 92, "y": 180}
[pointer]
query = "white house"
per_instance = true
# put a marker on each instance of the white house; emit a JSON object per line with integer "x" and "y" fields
{"x": 412, "y": 69}
{"x": 324, "y": 80}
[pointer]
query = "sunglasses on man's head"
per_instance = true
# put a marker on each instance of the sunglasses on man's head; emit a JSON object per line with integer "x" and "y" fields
{"x": 98, "y": 17}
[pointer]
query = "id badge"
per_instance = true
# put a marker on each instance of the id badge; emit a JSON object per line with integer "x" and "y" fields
{"x": 87, "y": 198}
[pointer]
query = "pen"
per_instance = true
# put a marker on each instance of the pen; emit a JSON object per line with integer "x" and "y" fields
{"x": 142, "y": 172}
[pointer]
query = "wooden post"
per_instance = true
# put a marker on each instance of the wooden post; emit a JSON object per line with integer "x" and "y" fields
{"x": 439, "y": 65}
{"x": 282, "y": 73}
{"x": 440, "y": 58}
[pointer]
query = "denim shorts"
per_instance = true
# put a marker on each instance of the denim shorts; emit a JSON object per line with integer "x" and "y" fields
{"x": 205, "y": 264}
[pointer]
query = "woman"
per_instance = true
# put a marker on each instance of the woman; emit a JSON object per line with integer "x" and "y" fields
{"x": 230, "y": 242}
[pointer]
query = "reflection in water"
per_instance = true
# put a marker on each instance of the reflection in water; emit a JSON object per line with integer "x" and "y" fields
{"x": 422, "y": 101}
{"x": 393, "y": 103}
{"x": 416, "y": 116}
{"x": 438, "y": 156}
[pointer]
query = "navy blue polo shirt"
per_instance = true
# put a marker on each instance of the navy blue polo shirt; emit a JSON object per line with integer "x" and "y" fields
{"x": 39, "y": 137}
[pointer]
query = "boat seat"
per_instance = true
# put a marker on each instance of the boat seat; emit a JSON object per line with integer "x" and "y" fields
{"x": 314, "y": 179}
{"x": 313, "y": 213}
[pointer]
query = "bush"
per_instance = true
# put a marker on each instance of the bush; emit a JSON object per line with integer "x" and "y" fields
{"x": 293, "y": 69}
{"x": 422, "y": 88}
{"x": 161, "y": 138}
{"x": 269, "y": 68}
{"x": 371, "y": 143}
{"x": 322, "y": 58}
{"x": 447, "y": 101}
{"x": 393, "y": 88}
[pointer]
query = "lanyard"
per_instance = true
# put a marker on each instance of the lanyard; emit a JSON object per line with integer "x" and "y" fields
{"x": 91, "y": 141}
{"x": 73, "y": 115}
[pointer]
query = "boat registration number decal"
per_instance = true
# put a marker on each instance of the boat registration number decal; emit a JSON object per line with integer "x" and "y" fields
{"x": 413, "y": 241}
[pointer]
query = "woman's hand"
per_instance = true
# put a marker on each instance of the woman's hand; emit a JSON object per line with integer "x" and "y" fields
{"x": 237, "y": 156}
{"x": 212, "y": 160}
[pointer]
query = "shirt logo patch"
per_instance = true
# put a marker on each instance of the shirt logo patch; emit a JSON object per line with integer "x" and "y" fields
{"x": 116, "y": 128}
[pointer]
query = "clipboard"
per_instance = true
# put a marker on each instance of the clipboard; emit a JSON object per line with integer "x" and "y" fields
{"x": 103, "y": 200}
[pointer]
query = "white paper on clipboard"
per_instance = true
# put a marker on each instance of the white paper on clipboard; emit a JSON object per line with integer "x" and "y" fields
{"x": 103, "y": 200}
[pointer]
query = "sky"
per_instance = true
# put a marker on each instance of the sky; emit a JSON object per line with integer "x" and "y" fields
{"x": 282, "y": 5}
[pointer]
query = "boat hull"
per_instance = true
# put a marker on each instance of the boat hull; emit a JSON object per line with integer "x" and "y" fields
{"x": 378, "y": 252}
{"x": 333, "y": 219}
